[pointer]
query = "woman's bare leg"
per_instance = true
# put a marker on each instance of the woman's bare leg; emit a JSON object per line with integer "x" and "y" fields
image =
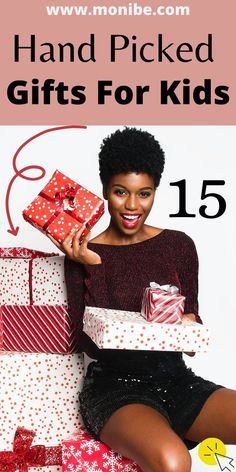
{"x": 217, "y": 418}
{"x": 141, "y": 433}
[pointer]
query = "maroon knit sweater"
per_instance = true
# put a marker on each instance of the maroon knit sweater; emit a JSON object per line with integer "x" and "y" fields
{"x": 167, "y": 258}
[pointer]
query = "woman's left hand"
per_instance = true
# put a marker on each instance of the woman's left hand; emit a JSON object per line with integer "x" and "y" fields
{"x": 189, "y": 316}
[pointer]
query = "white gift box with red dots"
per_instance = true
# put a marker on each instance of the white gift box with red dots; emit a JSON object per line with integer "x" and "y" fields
{"x": 40, "y": 392}
{"x": 48, "y": 281}
{"x": 31, "y": 277}
{"x": 117, "y": 329}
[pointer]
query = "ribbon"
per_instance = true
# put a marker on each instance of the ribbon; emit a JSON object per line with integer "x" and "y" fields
{"x": 24, "y": 455}
{"x": 35, "y": 255}
{"x": 65, "y": 199}
{"x": 65, "y": 202}
{"x": 166, "y": 288}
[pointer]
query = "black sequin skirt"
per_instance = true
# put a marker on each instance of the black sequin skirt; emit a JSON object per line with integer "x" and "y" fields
{"x": 157, "y": 379}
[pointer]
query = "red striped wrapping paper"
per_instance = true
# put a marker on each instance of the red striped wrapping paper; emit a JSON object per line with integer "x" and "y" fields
{"x": 37, "y": 329}
{"x": 162, "y": 306}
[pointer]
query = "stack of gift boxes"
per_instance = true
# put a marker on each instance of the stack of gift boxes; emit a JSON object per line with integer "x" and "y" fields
{"x": 41, "y": 374}
{"x": 41, "y": 369}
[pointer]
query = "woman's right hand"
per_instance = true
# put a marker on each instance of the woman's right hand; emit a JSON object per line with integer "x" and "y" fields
{"x": 74, "y": 249}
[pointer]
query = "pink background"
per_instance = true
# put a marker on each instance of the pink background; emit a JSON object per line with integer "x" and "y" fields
{"x": 27, "y": 17}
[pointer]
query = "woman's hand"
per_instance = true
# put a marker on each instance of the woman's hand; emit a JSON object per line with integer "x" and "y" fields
{"x": 74, "y": 249}
{"x": 189, "y": 316}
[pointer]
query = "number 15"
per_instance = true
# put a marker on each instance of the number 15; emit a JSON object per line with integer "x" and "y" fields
{"x": 181, "y": 184}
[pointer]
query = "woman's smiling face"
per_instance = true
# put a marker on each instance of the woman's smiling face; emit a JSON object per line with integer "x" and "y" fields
{"x": 130, "y": 198}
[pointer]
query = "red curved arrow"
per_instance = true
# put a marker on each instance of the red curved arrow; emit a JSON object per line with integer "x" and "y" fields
{"x": 14, "y": 230}
{"x": 20, "y": 173}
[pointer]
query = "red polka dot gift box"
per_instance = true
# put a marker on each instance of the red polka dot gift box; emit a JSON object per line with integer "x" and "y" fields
{"x": 63, "y": 205}
{"x": 117, "y": 329}
{"x": 40, "y": 393}
{"x": 83, "y": 453}
{"x": 31, "y": 277}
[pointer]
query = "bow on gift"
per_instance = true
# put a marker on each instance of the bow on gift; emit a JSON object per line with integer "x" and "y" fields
{"x": 65, "y": 202}
{"x": 65, "y": 199}
{"x": 166, "y": 288}
{"x": 24, "y": 455}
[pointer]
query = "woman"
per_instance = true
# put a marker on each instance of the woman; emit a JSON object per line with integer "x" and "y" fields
{"x": 143, "y": 404}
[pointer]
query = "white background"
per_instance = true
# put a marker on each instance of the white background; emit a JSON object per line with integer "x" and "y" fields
{"x": 192, "y": 153}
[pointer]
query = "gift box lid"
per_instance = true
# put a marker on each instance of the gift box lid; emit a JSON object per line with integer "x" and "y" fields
{"x": 23, "y": 253}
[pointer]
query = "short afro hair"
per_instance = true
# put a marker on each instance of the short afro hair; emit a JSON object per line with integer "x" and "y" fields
{"x": 131, "y": 150}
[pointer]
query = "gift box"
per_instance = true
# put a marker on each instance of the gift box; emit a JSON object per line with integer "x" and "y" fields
{"x": 117, "y": 329}
{"x": 162, "y": 304}
{"x": 1, "y": 332}
{"x": 26, "y": 455}
{"x": 83, "y": 453}
{"x": 62, "y": 205}
{"x": 35, "y": 328}
{"x": 40, "y": 393}
{"x": 31, "y": 277}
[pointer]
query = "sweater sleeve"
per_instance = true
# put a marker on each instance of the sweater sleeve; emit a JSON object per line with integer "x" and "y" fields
{"x": 84, "y": 282}
{"x": 188, "y": 276}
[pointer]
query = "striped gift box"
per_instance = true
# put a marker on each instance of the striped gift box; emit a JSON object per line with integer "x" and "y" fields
{"x": 162, "y": 305}
{"x": 37, "y": 328}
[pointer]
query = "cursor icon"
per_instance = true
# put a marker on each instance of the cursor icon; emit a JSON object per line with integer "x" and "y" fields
{"x": 224, "y": 462}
